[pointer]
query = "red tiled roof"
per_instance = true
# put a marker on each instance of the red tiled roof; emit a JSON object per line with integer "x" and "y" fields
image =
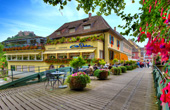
{"x": 97, "y": 24}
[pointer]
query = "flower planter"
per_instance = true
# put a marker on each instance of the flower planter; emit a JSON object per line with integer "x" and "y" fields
{"x": 103, "y": 75}
{"x": 75, "y": 84}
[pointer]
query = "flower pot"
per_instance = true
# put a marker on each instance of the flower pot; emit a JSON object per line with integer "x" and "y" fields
{"x": 75, "y": 84}
{"x": 103, "y": 75}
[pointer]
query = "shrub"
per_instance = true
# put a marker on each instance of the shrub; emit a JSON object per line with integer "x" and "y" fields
{"x": 73, "y": 39}
{"x": 116, "y": 70}
{"x": 98, "y": 71}
{"x": 122, "y": 61}
{"x": 78, "y": 62}
{"x": 78, "y": 38}
{"x": 102, "y": 62}
{"x": 129, "y": 67}
{"x": 115, "y": 60}
{"x": 123, "y": 68}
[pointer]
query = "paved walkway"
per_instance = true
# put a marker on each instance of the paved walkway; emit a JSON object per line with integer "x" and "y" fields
{"x": 130, "y": 91}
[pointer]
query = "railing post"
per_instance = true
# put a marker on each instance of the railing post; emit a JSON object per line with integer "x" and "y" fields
{"x": 12, "y": 74}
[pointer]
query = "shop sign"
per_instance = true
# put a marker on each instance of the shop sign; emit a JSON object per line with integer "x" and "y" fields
{"x": 81, "y": 45}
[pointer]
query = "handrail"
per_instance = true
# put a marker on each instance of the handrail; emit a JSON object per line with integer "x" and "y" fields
{"x": 160, "y": 72}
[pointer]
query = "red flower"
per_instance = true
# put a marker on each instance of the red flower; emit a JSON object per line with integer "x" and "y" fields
{"x": 169, "y": 17}
{"x": 163, "y": 17}
{"x": 165, "y": 14}
{"x": 111, "y": 42}
{"x": 142, "y": 32}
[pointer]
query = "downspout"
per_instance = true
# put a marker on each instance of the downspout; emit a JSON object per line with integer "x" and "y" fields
{"x": 104, "y": 47}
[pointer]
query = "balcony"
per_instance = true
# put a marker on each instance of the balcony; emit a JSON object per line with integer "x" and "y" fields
{"x": 23, "y": 47}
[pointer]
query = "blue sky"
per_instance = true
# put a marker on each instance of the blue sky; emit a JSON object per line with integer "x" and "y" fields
{"x": 43, "y": 19}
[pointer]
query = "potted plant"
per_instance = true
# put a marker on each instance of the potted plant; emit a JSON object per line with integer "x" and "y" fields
{"x": 102, "y": 73}
{"x": 102, "y": 62}
{"x": 78, "y": 62}
{"x": 115, "y": 61}
{"x": 78, "y": 81}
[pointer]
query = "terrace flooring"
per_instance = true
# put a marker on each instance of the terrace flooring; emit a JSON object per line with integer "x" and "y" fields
{"x": 130, "y": 91}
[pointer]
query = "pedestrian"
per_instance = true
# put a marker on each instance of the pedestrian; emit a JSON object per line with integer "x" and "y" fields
{"x": 148, "y": 63}
{"x": 138, "y": 64}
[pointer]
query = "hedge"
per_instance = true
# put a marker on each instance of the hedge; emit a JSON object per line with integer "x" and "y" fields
{"x": 123, "y": 68}
{"x": 129, "y": 67}
{"x": 116, "y": 70}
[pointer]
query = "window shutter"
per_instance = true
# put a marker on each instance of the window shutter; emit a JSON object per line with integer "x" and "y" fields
{"x": 110, "y": 39}
{"x": 113, "y": 40}
{"x": 109, "y": 55}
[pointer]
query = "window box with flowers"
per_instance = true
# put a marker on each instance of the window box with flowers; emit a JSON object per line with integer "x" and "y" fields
{"x": 101, "y": 73}
{"x": 78, "y": 81}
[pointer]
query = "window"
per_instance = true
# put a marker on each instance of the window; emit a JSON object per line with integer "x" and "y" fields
{"x": 62, "y": 55}
{"x": 31, "y": 68}
{"x": 24, "y": 68}
{"x": 101, "y": 54}
{"x": 19, "y": 57}
{"x": 111, "y": 39}
{"x": 9, "y": 57}
{"x": 111, "y": 55}
{"x": 51, "y": 56}
{"x": 32, "y": 57}
{"x": 25, "y": 57}
{"x": 71, "y": 30}
{"x": 86, "y": 55}
{"x": 118, "y": 43}
{"x": 87, "y": 27}
{"x": 18, "y": 67}
{"x": 14, "y": 57}
{"x": 38, "y": 57}
{"x": 58, "y": 33}
{"x": 74, "y": 55}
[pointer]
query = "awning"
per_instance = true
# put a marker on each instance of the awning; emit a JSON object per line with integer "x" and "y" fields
{"x": 31, "y": 53}
{"x": 70, "y": 51}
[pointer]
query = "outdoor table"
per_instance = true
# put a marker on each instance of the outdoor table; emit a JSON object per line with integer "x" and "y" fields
{"x": 82, "y": 70}
{"x": 58, "y": 74}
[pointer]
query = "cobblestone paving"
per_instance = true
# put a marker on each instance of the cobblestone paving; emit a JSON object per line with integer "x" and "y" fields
{"x": 130, "y": 91}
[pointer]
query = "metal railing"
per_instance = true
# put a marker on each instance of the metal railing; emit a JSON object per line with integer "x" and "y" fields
{"x": 158, "y": 78}
{"x": 15, "y": 73}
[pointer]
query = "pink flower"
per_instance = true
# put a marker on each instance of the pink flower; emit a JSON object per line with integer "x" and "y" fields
{"x": 150, "y": 8}
{"x": 162, "y": 12}
{"x": 140, "y": 29}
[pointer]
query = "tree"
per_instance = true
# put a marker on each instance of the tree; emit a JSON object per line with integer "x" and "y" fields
{"x": 3, "y": 62}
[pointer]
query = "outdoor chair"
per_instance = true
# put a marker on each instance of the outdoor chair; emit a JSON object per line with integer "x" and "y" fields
{"x": 50, "y": 79}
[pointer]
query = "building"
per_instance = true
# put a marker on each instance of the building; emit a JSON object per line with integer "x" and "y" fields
{"x": 126, "y": 47}
{"x": 91, "y": 37}
{"x": 136, "y": 52}
{"x": 144, "y": 56}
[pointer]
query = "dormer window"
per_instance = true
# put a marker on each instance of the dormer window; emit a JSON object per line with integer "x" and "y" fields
{"x": 87, "y": 27}
{"x": 58, "y": 33}
{"x": 71, "y": 30}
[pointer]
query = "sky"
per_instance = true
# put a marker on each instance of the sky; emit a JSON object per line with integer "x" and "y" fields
{"x": 44, "y": 19}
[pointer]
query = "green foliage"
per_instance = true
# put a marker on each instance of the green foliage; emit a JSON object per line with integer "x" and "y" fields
{"x": 129, "y": 67}
{"x": 115, "y": 60}
{"x": 127, "y": 62}
{"x": 78, "y": 38}
{"x": 5, "y": 79}
{"x": 98, "y": 71}
{"x": 123, "y": 68}
{"x": 102, "y": 62}
{"x": 62, "y": 40}
{"x": 122, "y": 61}
{"x": 78, "y": 62}
{"x": 82, "y": 77}
{"x": 116, "y": 70}
{"x": 73, "y": 39}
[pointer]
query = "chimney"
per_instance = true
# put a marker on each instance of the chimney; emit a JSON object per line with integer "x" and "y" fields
{"x": 115, "y": 28}
{"x": 89, "y": 15}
